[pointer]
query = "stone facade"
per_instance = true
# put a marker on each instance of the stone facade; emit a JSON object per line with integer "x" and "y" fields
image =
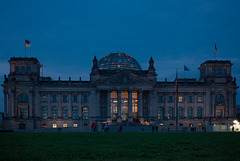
{"x": 119, "y": 92}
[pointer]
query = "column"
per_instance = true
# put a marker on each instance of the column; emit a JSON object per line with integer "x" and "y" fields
{"x": 195, "y": 105}
{"x": 109, "y": 106}
{"x": 140, "y": 111}
{"x": 98, "y": 114}
{"x": 213, "y": 104}
{"x": 30, "y": 114}
{"x": 130, "y": 106}
{"x": 5, "y": 104}
{"x": 165, "y": 115}
{"x": 59, "y": 105}
{"x": 119, "y": 107}
{"x": 185, "y": 108}
{"x": 70, "y": 105}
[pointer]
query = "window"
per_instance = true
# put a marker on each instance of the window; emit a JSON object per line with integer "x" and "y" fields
{"x": 124, "y": 105}
{"x": 218, "y": 71}
{"x": 189, "y": 112}
{"x": 23, "y": 98}
{"x": 17, "y": 69}
{"x": 85, "y": 98}
{"x": 180, "y": 99}
{"x": 199, "y": 112}
{"x": 29, "y": 69}
{"x": 64, "y": 98}
{"x": 65, "y": 113}
{"x": 114, "y": 103}
{"x": 54, "y": 113}
{"x": 23, "y": 113}
{"x": 160, "y": 113}
{"x": 64, "y": 125}
{"x": 219, "y": 113}
{"x": 54, "y": 98}
{"x": 44, "y": 113}
{"x": 180, "y": 113}
{"x": 220, "y": 98}
{"x": 75, "y": 113}
{"x": 134, "y": 104}
{"x": 54, "y": 125}
{"x": 190, "y": 99}
{"x": 85, "y": 113}
{"x": 170, "y": 113}
{"x": 200, "y": 99}
{"x": 75, "y": 125}
{"x": 160, "y": 99}
{"x": 170, "y": 99}
{"x": 23, "y": 70}
{"x": 74, "y": 98}
{"x": 213, "y": 71}
{"x": 224, "y": 72}
{"x": 44, "y": 98}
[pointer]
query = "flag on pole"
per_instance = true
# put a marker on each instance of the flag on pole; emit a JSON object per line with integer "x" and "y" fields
{"x": 216, "y": 49}
{"x": 27, "y": 43}
{"x": 186, "y": 69}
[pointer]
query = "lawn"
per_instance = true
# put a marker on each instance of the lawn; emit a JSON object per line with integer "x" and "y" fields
{"x": 119, "y": 146}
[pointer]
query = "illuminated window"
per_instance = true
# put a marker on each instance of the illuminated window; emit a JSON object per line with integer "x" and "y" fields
{"x": 189, "y": 112}
{"x": 75, "y": 113}
{"x": 64, "y": 125}
{"x": 44, "y": 113}
{"x": 54, "y": 113}
{"x": 23, "y": 98}
{"x": 124, "y": 105}
{"x": 75, "y": 125}
{"x": 114, "y": 103}
{"x": 199, "y": 112}
{"x": 180, "y": 113}
{"x": 23, "y": 113}
{"x": 160, "y": 99}
{"x": 134, "y": 104}
{"x": 85, "y": 113}
{"x": 64, "y": 98}
{"x": 170, "y": 113}
{"x": 65, "y": 113}
{"x": 199, "y": 99}
{"x": 180, "y": 99}
{"x": 54, "y": 125}
{"x": 190, "y": 99}
{"x": 160, "y": 113}
{"x": 200, "y": 125}
{"x": 44, "y": 126}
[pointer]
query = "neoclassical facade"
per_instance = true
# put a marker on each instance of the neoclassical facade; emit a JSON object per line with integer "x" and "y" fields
{"x": 119, "y": 92}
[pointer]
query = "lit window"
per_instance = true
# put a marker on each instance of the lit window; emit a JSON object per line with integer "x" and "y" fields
{"x": 200, "y": 125}
{"x": 160, "y": 113}
{"x": 75, "y": 113}
{"x": 180, "y": 99}
{"x": 65, "y": 113}
{"x": 190, "y": 99}
{"x": 75, "y": 125}
{"x": 44, "y": 126}
{"x": 64, "y": 98}
{"x": 134, "y": 102}
{"x": 180, "y": 113}
{"x": 160, "y": 99}
{"x": 189, "y": 112}
{"x": 44, "y": 113}
{"x": 54, "y": 125}
{"x": 23, "y": 98}
{"x": 199, "y": 112}
{"x": 54, "y": 113}
{"x": 199, "y": 99}
{"x": 64, "y": 125}
{"x": 85, "y": 113}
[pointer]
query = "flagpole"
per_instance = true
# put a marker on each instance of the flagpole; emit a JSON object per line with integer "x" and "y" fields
{"x": 176, "y": 95}
{"x": 25, "y": 49}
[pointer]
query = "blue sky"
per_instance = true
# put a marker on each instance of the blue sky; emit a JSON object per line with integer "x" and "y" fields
{"x": 66, "y": 35}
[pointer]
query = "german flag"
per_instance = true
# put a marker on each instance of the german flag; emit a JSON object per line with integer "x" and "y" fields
{"x": 216, "y": 49}
{"x": 27, "y": 43}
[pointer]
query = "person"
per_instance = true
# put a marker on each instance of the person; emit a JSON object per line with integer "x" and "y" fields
{"x": 106, "y": 127}
{"x": 156, "y": 128}
{"x": 232, "y": 129}
{"x": 118, "y": 128}
{"x": 94, "y": 127}
{"x": 168, "y": 129}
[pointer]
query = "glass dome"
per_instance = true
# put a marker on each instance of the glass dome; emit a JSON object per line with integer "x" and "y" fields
{"x": 118, "y": 61}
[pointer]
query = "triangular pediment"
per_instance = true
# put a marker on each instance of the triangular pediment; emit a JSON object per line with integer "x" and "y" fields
{"x": 124, "y": 78}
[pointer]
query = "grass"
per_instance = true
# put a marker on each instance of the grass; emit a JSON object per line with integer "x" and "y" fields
{"x": 119, "y": 146}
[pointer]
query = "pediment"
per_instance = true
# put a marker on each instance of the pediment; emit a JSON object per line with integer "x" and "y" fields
{"x": 124, "y": 78}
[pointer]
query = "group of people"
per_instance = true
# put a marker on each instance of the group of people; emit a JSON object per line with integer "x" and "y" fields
{"x": 156, "y": 128}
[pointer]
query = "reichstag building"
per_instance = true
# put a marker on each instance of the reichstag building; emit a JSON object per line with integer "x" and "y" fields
{"x": 119, "y": 92}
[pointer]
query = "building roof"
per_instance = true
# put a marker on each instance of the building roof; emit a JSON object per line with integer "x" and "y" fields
{"x": 118, "y": 61}
{"x": 23, "y": 59}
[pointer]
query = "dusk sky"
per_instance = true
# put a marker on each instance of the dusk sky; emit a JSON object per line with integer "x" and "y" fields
{"x": 66, "y": 35}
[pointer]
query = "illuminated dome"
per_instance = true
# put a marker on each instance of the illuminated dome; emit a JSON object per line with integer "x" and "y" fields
{"x": 118, "y": 61}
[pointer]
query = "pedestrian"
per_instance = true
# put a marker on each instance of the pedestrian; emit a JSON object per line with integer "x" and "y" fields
{"x": 94, "y": 127}
{"x": 232, "y": 129}
{"x": 156, "y": 128}
{"x": 106, "y": 127}
{"x": 168, "y": 129}
{"x": 118, "y": 128}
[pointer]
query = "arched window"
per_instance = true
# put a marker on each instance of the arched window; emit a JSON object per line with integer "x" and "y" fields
{"x": 65, "y": 113}
{"x": 17, "y": 69}
{"x": 44, "y": 113}
{"x": 220, "y": 98}
{"x": 75, "y": 113}
{"x": 189, "y": 112}
{"x": 199, "y": 112}
{"x": 85, "y": 113}
{"x": 170, "y": 113}
{"x": 23, "y": 98}
{"x": 160, "y": 113}
{"x": 180, "y": 113}
{"x": 55, "y": 113}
